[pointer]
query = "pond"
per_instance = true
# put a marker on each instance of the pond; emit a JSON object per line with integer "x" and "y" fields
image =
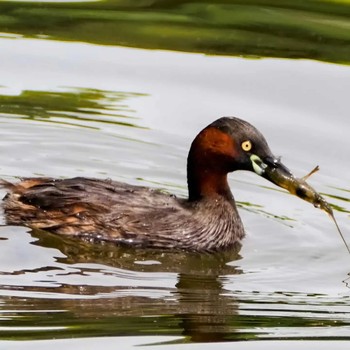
{"x": 76, "y": 100}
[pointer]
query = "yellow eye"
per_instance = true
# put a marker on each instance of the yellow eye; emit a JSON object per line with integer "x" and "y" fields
{"x": 246, "y": 145}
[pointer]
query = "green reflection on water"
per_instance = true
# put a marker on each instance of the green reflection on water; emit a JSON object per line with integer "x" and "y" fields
{"x": 259, "y": 209}
{"x": 315, "y": 29}
{"x": 78, "y": 107}
{"x": 198, "y": 307}
{"x": 120, "y": 317}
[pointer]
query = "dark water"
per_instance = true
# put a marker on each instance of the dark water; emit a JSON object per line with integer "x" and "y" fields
{"x": 316, "y": 29}
{"x": 73, "y": 107}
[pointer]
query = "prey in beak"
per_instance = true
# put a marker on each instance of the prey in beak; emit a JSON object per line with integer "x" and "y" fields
{"x": 273, "y": 170}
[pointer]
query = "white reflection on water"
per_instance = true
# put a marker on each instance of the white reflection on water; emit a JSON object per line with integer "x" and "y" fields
{"x": 297, "y": 104}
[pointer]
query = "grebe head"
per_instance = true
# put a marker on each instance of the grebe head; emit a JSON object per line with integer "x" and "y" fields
{"x": 226, "y": 145}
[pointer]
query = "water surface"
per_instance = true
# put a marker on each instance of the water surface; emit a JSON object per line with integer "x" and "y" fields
{"x": 316, "y": 29}
{"x": 81, "y": 109}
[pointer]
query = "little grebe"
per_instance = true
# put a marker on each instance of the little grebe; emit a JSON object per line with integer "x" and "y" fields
{"x": 105, "y": 210}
